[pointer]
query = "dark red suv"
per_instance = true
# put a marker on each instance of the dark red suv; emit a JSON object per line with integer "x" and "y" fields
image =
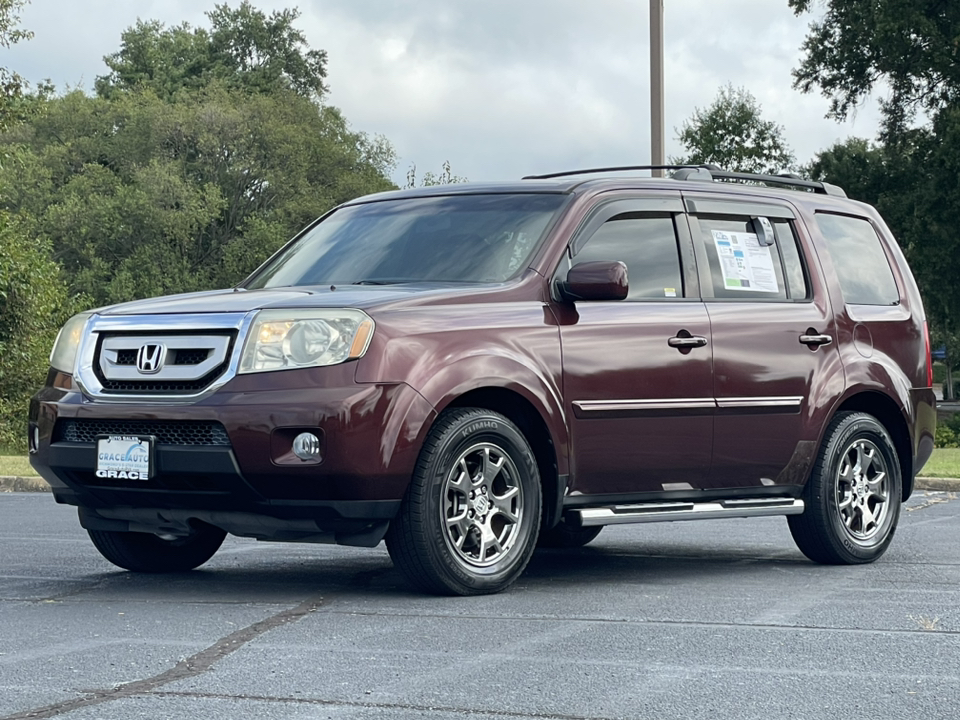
{"x": 467, "y": 371}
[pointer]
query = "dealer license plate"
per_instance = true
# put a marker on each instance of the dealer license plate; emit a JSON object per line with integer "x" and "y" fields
{"x": 124, "y": 457}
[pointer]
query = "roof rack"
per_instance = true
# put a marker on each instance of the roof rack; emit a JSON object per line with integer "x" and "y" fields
{"x": 711, "y": 173}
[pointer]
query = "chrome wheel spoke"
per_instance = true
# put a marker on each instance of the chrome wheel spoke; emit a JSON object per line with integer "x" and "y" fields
{"x": 504, "y": 501}
{"x": 490, "y": 468}
{"x": 877, "y": 487}
{"x": 460, "y": 522}
{"x": 464, "y": 482}
{"x": 867, "y": 517}
{"x": 846, "y": 500}
{"x": 488, "y": 542}
{"x": 866, "y": 459}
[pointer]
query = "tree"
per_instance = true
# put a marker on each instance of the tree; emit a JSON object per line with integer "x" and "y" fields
{"x": 905, "y": 182}
{"x": 11, "y": 84}
{"x": 33, "y": 298}
{"x": 33, "y": 306}
{"x": 142, "y": 196}
{"x": 911, "y": 45}
{"x": 732, "y": 134}
{"x": 244, "y": 48}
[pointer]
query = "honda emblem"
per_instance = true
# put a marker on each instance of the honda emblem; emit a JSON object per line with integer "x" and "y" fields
{"x": 150, "y": 358}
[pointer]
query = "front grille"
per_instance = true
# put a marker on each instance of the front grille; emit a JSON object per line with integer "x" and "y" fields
{"x": 190, "y": 357}
{"x": 185, "y": 363}
{"x": 160, "y": 387}
{"x": 167, "y": 432}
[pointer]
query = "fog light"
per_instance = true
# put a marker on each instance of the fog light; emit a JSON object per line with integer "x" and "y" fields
{"x": 306, "y": 446}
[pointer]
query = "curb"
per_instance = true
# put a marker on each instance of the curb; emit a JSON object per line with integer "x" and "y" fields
{"x": 17, "y": 483}
{"x": 942, "y": 484}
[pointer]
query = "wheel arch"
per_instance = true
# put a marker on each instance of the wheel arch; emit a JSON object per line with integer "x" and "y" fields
{"x": 888, "y": 413}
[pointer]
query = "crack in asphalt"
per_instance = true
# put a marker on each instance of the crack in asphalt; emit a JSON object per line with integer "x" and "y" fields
{"x": 705, "y": 624}
{"x": 371, "y": 705}
{"x": 192, "y": 666}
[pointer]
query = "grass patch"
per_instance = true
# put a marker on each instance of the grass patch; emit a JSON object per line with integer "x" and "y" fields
{"x": 16, "y": 465}
{"x": 945, "y": 462}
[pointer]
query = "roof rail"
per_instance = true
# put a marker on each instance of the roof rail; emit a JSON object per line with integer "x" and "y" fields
{"x": 711, "y": 173}
{"x": 588, "y": 171}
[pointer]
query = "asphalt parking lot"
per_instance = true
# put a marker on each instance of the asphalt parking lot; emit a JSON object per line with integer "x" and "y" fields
{"x": 717, "y": 619}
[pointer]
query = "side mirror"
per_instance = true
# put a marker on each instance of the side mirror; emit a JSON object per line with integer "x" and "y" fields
{"x": 599, "y": 280}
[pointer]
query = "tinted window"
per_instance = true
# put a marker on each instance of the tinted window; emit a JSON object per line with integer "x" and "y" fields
{"x": 648, "y": 247}
{"x": 740, "y": 267}
{"x": 465, "y": 238}
{"x": 865, "y": 274}
{"x": 793, "y": 270}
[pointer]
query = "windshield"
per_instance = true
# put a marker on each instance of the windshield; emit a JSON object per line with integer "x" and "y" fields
{"x": 460, "y": 238}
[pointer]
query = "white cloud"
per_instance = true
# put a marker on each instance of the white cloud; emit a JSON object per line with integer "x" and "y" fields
{"x": 500, "y": 88}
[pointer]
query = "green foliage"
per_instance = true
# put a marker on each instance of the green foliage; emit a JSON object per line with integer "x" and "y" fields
{"x": 203, "y": 151}
{"x": 910, "y": 45}
{"x": 731, "y": 133}
{"x": 143, "y": 196}
{"x": 33, "y": 305}
{"x": 948, "y": 433}
{"x": 913, "y": 183}
{"x": 11, "y": 84}
{"x": 243, "y": 49}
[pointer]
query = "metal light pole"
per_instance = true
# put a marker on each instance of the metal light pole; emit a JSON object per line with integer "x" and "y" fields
{"x": 657, "y": 156}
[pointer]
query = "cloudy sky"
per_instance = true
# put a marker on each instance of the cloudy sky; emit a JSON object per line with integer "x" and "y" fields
{"x": 500, "y": 88}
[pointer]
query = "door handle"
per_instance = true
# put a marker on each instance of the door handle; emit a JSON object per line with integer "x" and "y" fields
{"x": 690, "y": 341}
{"x": 815, "y": 340}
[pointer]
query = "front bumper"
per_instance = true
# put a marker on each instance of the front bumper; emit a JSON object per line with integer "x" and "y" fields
{"x": 370, "y": 434}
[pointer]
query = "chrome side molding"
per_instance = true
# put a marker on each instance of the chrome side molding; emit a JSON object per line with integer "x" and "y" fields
{"x": 673, "y": 511}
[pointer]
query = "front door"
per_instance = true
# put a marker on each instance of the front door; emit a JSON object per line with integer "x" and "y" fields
{"x": 640, "y": 408}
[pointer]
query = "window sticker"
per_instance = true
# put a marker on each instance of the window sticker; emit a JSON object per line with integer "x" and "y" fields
{"x": 745, "y": 264}
{"x": 669, "y": 292}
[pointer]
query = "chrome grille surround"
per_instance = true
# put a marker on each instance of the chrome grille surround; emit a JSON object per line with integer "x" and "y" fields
{"x": 124, "y": 332}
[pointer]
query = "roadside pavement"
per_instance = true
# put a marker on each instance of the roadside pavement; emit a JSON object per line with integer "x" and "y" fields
{"x": 19, "y": 483}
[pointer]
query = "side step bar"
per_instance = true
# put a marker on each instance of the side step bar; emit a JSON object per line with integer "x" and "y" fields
{"x": 672, "y": 511}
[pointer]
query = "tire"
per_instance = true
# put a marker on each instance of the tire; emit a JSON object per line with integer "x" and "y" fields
{"x": 469, "y": 520}
{"x": 147, "y": 553}
{"x": 563, "y": 535}
{"x": 853, "y": 495}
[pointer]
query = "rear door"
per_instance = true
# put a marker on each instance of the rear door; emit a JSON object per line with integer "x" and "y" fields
{"x": 775, "y": 359}
{"x": 640, "y": 410}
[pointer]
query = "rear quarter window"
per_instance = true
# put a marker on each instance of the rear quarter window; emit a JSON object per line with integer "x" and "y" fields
{"x": 861, "y": 263}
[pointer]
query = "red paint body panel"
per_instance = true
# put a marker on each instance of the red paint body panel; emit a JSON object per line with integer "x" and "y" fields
{"x": 618, "y": 351}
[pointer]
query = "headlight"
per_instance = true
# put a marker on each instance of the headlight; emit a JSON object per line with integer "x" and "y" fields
{"x": 285, "y": 339}
{"x": 64, "y": 354}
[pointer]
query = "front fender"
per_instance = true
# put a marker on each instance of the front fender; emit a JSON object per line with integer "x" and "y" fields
{"x": 443, "y": 353}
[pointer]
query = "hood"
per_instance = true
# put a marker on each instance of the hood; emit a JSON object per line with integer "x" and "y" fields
{"x": 239, "y": 300}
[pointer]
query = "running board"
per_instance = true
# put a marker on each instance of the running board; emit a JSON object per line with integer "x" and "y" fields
{"x": 672, "y": 511}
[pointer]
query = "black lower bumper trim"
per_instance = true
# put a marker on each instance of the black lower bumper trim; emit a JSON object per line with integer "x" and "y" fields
{"x": 179, "y": 522}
